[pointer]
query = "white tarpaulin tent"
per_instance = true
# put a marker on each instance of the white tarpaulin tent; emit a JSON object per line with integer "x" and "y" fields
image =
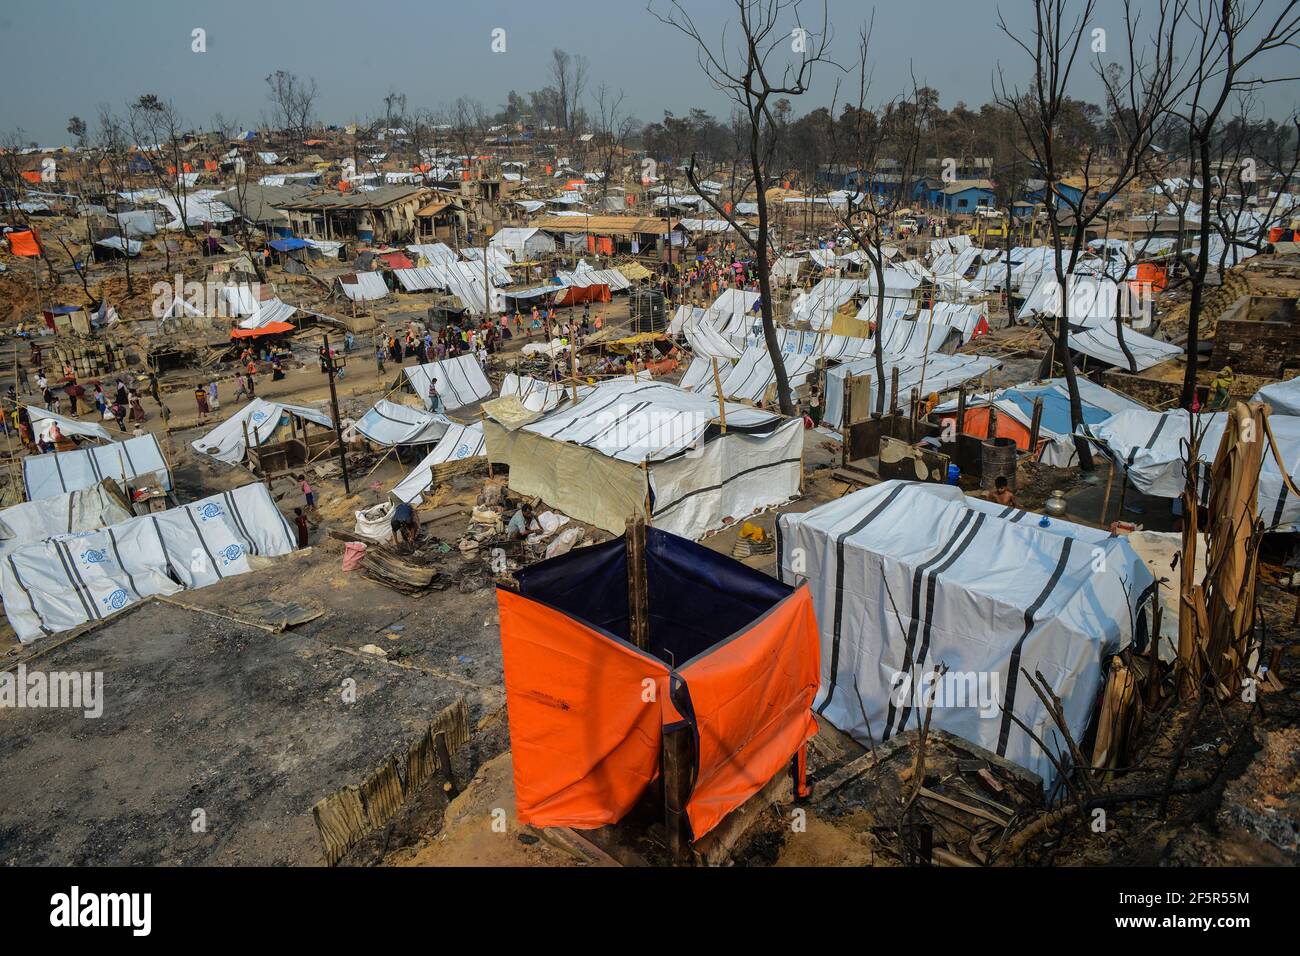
{"x": 908, "y": 577}
{"x": 628, "y": 443}
{"x": 933, "y": 373}
{"x": 533, "y": 393}
{"x": 1101, "y": 341}
{"x": 43, "y": 422}
{"x": 458, "y": 443}
{"x": 1148, "y": 446}
{"x": 57, "y": 473}
{"x": 58, "y": 584}
{"x": 749, "y": 378}
{"x": 387, "y": 423}
{"x": 461, "y": 381}
{"x": 83, "y": 510}
{"x": 260, "y": 419}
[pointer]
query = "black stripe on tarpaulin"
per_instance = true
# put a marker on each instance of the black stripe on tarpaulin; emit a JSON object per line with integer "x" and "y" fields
{"x": 449, "y": 371}
{"x": 1281, "y": 501}
{"x": 931, "y": 587}
{"x": 623, "y": 415}
{"x": 837, "y": 616}
{"x": 1013, "y": 664}
{"x": 918, "y": 578}
{"x": 1150, "y": 441}
{"x": 63, "y": 485}
{"x": 1019, "y": 516}
{"x": 700, "y": 491}
{"x": 171, "y": 570}
{"x": 74, "y": 579}
{"x": 1007, "y": 511}
{"x": 644, "y": 438}
{"x": 94, "y": 465}
{"x": 203, "y": 541}
{"x": 239, "y": 522}
{"x": 554, "y": 432}
{"x": 30, "y": 601}
{"x": 112, "y": 540}
{"x": 68, "y": 530}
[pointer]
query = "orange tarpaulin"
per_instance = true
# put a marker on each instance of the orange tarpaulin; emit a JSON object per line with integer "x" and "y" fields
{"x": 577, "y": 295}
{"x": 25, "y": 243}
{"x": 977, "y": 423}
{"x": 31, "y": 175}
{"x": 584, "y": 741}
{"x": 271, "y": 328}
{"x": 752, "y": 701}
{"x": 588, "y": 709}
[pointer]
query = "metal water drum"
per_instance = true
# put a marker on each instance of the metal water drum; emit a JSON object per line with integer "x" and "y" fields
{"x": 998, "y": 458}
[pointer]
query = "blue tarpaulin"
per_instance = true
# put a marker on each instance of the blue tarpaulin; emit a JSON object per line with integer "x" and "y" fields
{"x": 288, "y": 245}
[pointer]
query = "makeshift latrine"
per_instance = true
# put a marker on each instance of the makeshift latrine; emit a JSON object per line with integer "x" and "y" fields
{"x": 606, "y": 669}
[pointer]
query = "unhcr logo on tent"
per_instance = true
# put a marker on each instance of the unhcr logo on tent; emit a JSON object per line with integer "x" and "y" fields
{"x": 81, "y": 691}
{"x": 980, "y": 690}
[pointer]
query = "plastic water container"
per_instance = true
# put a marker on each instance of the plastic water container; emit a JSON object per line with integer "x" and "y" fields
{"x": 954, "y": 473}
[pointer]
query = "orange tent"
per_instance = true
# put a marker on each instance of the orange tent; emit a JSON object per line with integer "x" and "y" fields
{"x": 25, "y": 243}
{"x": 577, "y": 295}
{"x": 977, "y": 424}
{"x": 732, "y": 655}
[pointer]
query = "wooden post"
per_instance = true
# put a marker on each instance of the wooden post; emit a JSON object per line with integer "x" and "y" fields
{"x": 676, "y": 762}
{"x": 893, "y": 390}
{"x": 444, "y": 758}
{"x": 1034, "y": 424}
{"x": 961, "y": 414}
{"x": 638, "y": 593}
{"x": 914, "y": 415}
{"x": 573, "y": 366}
{"x": 334, "y": 410}
{"x": 722, "y": 403}
{"x": 846, "y": 419}
{"x": 993, "y": 421}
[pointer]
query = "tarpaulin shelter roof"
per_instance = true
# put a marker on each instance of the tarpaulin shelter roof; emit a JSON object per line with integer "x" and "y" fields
{"x": 654, "y": 449}
{"x": 363, "y": 286}
{"x": 65, "y": 581}
{"x": 732, "y": 653}
{"x": 533, "y": 393}
{"x": 935, "y": 372}
{"x": 270, "y": 328}
{"x": 909, "y": 576}
{"x": 45, "y": 476}
{"x": 749, "y": 378}
{"x": 458, "y": 443}
{"x": 461, "y": 381}
{"x": 261, "y": 418}
{"x": 82, "y": 510}
{"x": 42, "y": 420}
{"x": 387, "y": 423}
{"x": 1282, "y": 397}
{"x": 1149, "y": 447}
{"x": 1100, "y": 341}
{"x": 1097, "y": 404}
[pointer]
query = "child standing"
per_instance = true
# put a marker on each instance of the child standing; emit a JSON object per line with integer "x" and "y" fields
{"x": 308, "y": 492}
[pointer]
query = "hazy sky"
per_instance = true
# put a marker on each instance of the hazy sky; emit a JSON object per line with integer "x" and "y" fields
{"x": 64, "y": 57}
